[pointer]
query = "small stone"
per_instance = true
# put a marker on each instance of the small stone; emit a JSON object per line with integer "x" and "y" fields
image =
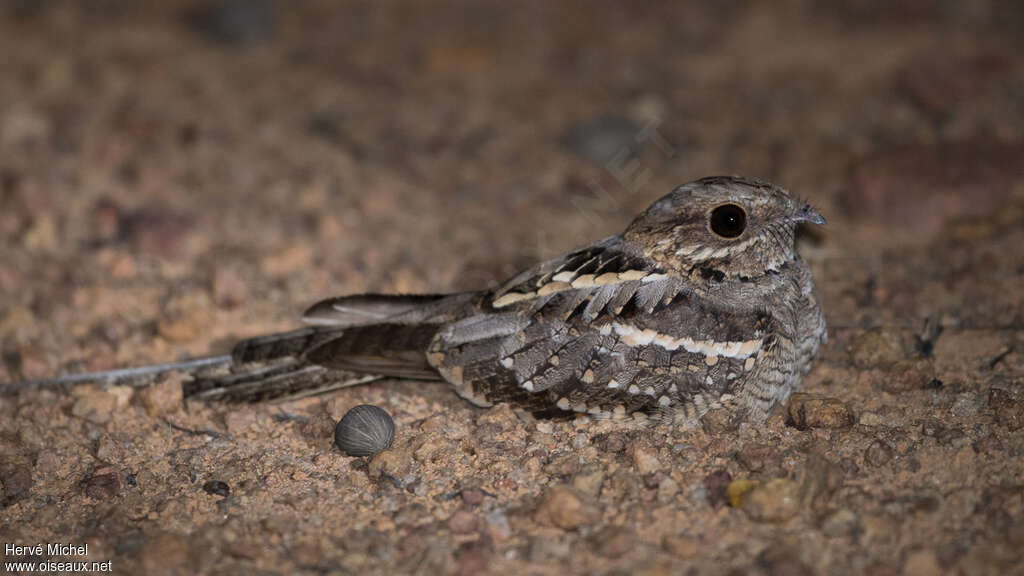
{"x": 613, "y": 542}
{"x": 782, "y": 561}
{"x": 473, "y": 558}
{"x": 498, "y": 527}
{"x": 775, "y": 501}
{"x": 667, "y": 489}
{"x": 364, "y": 431}
{"x": 611, "y": 443}
{"x": 840, "y": 524}
{"x": 966, "y": 405}
{"x": 104, "y": 483}
{"x": 544, "y": 549}
{"x": 463, "y": 522}
{"x": 878, "y": 453}
{"x": 953, "y": 437}
{"x": 807, "y": 410}
{"x": 565, "y": 508}
{"x": 229, "y": 289}
{"x": 986, "y": 561}
{"x": 156, "y": 231}
{"x": 217, "y": 488}
{"x": 163, "y": 397}
{"x": 589, "y": 481}
{"x": 720, "y": 421}
{"x": 645, "y": 461}
{"x": 1005, "y": 402}
{"x": 564, "y": 465}
{"x": 397, "y": 463}
{"x": 872, "y": 419}
{"x": 472, "y": 497}
{"x": 715, "y": 486}
{"x": 921, "y": 563}
{"x": 681, "y": 546}
{"x": 163, "y": 552}
{"x": 15, "y": 479}
{"x": 907, "y": 375}
{"x": 989, "y": 444}
{"x": 879, "y": 347}
{"x": 760, "y": 458}
{"x": 94, "y": 405}
{"x": 737, "y": 489}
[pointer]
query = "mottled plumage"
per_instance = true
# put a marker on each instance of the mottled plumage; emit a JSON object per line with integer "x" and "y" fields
{"x": 701, "y": 302}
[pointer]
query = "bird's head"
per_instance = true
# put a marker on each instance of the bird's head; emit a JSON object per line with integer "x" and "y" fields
{"x": 722, "y": 227}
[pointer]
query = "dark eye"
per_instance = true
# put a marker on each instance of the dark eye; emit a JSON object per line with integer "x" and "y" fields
{"x": 728, "y": 220}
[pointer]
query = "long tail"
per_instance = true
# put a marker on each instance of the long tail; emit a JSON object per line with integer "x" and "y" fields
{"x": 350, "y": 343}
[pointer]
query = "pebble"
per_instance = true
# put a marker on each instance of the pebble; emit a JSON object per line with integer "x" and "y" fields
{"x": 364, "y": 431}
{"x": 921, "y": 563}
{"x": 774, "y": 501}
{"x": 229, "y": 289}
{"x": 782, "y": 561}
{"x": 737, "y": 489}
{"x": 463, "y": 522}
{"x": 681, "y": 546}
{"x": 907, "y": 375}
{"x": 841, "y": 523}
{"x": 806, "y": 410}
{"x": 879, "y": 347}
{"x": 966, "y": 405}
{"x": 565, "y": 508}
{"x": 613, "y": 542}
{"x": 163, "y": 397}
{"x": 217, "y": 488}
{"x": 589, "y": 481}
{"x": 498, "y": 527}
{"x": 15, "y": 478}
{"x": 715, "y": 486}
{"x": 545, "y": 549}
{"x": 879, "y": 453}
{"x": 760, "y": 458}
{"x": 103, "y": 484}
{"x": 645, "y": 461}
{"x": 720, "y": 421}
{"x": 398, "y": 463}
{"x": 1006, "y": 405}
{"x": 94, "y": 405}
{"x": 473, "y": 558}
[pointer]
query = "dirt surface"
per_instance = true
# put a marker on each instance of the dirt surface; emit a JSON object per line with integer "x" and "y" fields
{"x": 176, "y": 175}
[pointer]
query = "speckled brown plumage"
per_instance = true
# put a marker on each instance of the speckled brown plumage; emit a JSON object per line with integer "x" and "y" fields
{"x": 694, "y": 306}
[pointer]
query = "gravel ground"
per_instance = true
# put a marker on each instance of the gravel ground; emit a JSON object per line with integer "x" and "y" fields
{"x": 177, "y": 175}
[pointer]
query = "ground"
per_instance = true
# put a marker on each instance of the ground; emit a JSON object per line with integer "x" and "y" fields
{"x": 177, "y": 175}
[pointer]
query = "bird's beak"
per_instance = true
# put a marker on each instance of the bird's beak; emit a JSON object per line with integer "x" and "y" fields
{"x": 808, "y": 214}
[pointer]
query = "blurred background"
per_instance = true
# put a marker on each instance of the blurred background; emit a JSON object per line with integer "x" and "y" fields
{"x": 178, "y": 174}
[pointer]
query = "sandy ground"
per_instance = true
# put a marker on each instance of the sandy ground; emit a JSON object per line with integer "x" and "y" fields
{"x": 175, "y": 176}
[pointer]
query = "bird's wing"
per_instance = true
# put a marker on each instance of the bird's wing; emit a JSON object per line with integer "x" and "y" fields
{"x": 612, "y": 334}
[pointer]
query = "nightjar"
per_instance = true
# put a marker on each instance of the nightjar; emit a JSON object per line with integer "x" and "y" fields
{"x": 702, "y": 302}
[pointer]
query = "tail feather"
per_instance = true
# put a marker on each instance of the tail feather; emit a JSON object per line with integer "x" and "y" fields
{"x": 283, "y": 382}
{"x": 395, "y": 350}
{"x": 365, "y": 309}
{"x": 291, "y": 344}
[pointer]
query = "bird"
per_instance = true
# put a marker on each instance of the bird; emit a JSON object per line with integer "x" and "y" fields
{"x": 701, "y": 303}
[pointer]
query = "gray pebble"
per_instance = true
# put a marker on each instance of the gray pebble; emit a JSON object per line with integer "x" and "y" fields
{"x": 364, "y": 431}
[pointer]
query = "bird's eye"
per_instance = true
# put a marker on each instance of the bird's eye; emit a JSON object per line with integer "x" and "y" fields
{"x": 728, "y": 221}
